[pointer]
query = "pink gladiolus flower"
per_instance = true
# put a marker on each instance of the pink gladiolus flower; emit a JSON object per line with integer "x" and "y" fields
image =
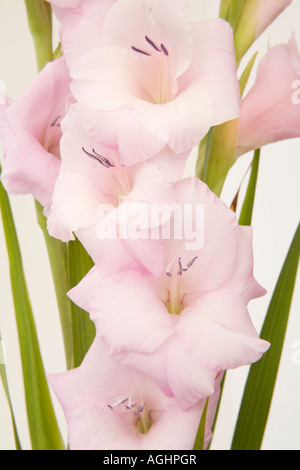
{"x": 191, "y": 323}
{"x": 113, "y": 407}
{"x": 168, "y": 78}
{"x": 94, "y": 190}
{"x": 269, "y": 113}
{"x": 30, "y": 133}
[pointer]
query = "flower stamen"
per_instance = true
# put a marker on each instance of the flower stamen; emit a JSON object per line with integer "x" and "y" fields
{"x": 164, "y": 49}
{"x": 117, "y": 403}
{"x": 135, "y": 49}
{"x": 152, "y": 44}
{"x": 143, "y": 422}
{"x": 99, "y": 158}
{"x": 56, "y": 121}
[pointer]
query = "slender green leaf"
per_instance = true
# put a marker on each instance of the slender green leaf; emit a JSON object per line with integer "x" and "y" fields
{"x": 39, "y": 14}
{"x": 257, "y": 398}
{"x": 43, "y": 426}
{"x": 79, "y": 263}
{"x": 199, "y": 441}
{"x": 247, "y": 209}
{"x": 5, "y": 385}
{"x": 246, "y": 74}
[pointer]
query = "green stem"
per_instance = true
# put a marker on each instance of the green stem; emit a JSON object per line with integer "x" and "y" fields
{"x": 44, "y": 431}
{"x": 83, "y": 329}
{"x": 39, "y": 14}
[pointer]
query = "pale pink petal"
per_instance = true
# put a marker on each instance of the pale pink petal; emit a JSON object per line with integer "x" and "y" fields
{"x": 104, "y": 127}
{"x": 150, "y": 186}
{"x": 268, "y": 113}
{"x": 75, "y": 145}
{"x": 86, "y": 392}
{"x": 208, "y": 220}
{"x": 159, "y": 21}
{"x": 97, "y": 83}
{"x": 45, "y": 99}
{"x": 82, "y": 294}
{"x": 170, "y": 165}
{"x": 75, "y": 204}
{"x": 175, "y": 372}
{"x": 81, "y": 26}
{"x": 217, "y": 332}
{"x": 110, "y": 254}
{"x": 144, "y": 318}
{"x": 187, "y": 378}
{"x": 214, "y": 67}
{"x": 234, "y": 349}
{"x": 168, "y": 436}
{"x": 180, "y": 123}
{"x": 31, "y": 134}
{"x": 135, "y": 142}
{"x": 29, "y": 169}
{"x": 147, "y": 253}
{"x": 242, "y": 281}
{"x": 65, "y": 3}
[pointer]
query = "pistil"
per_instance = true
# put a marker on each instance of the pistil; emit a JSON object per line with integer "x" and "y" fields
{"x": 175, "y": 305}
{"x": 144, "y": 422}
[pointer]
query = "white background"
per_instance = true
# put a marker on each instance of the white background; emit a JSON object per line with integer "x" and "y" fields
{"x": 276, "y": 216}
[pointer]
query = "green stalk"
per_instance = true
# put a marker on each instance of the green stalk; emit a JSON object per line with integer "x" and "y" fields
{"x": 44, "y": 431}
{"x": 39, "y": 14}
{"x": 79, "y": 263}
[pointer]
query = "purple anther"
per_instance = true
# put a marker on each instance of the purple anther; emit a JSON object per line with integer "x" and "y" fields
{"x": 152, "y": 44}
{"x": 191, "y": 262}
{"x": 180, "y": 271}
{"x": 55, "y": 121}
{"x": 141, "y": 409}
{"x": 135, "y": 49}
{"x": 99, "y": 158}
{"x": 164, "y": 49}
